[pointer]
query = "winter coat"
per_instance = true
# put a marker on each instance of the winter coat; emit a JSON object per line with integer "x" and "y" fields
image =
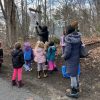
{"x": 1, "y": 55}
{"x": 72, "y": 53}
{"x": 62, "y": 42}
{"x": 43, "y": 33}
{"x": 39, "y": 55}
{"x": 51, "y": 53}
{"x": 28, "y": 54}
{"x": 17, "y": 58}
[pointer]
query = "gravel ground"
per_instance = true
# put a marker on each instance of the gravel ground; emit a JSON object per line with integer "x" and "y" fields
{"x": 7, "y": 92}
{"x": 53, "y": 87}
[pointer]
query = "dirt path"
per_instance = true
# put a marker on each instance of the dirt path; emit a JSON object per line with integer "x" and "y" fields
{"x": 13, "y": 93}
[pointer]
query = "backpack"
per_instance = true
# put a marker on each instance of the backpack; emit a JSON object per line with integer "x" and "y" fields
{"x": 28, "y": 54}
{"x": 83, "y": 51}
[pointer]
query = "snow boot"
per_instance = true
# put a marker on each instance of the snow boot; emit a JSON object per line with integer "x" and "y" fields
{"x": 45, "y": 74}
{"x": 55, "y": 69}
{"x": 14, "y": 83}
{"x": 20, "y": 84}
{"x": 39, "y": 74}
{"x": 73, "y": 93}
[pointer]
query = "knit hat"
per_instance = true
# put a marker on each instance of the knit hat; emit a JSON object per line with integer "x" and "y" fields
{"x": 27, "y": 44}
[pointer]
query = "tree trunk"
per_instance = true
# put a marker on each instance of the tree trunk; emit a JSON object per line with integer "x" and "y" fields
{"x": 10, "y": 10}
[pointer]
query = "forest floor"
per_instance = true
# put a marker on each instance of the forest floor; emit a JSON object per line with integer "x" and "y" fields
{"x": 54, "y": 86}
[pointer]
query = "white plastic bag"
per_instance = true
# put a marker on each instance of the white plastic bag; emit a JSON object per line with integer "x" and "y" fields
{"x": 26, "y": 67}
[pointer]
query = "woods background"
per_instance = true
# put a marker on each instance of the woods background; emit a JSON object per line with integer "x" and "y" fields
{"x": 16, "y": 22}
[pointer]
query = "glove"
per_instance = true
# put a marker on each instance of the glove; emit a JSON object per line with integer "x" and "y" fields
{"x": 37, "y": 23}
{"x": 36, "y": 27}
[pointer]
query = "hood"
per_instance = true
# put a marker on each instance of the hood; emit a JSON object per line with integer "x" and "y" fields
{"x": 53, "y": 47}
{"x": 27, "y": 48}
{"x": 15, "y": 53}
{"x": 73, "y": 38}
{"x": 44, "y": 28}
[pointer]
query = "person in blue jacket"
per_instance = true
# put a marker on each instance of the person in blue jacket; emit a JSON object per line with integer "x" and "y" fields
{"x": 28, "y": 56}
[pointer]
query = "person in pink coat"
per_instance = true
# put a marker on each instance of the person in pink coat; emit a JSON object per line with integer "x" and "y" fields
{"x": 40, "y": 59}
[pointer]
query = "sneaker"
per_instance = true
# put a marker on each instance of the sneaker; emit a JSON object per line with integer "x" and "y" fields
{"x": 20, "y": 84}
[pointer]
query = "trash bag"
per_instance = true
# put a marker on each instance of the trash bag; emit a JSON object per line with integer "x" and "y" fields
{"x": 64, "y": 71}
{"x": 26, "y": 67}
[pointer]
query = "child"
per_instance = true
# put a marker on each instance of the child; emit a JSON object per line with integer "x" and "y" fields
{"x": 40, "y": 58}
{"x": 46, "y": 45}
{"x": 28, "y": 56}
{"x": 62, "y": 42}
{"x": 1, "y": 56}
{"x": 51, "y": 57}
{"x": 17, "y": 61}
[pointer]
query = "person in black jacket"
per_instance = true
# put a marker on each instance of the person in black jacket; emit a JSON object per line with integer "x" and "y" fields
{"x": 42, "y": 32}
{"x": 17, "y": 61}
{"x": 1, "y": 56}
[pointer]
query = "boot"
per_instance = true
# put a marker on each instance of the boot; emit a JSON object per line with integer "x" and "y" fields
{"x": 14, "y": 83}
{"x": 55, "y": 69}
{"x": 45, "y": 74}
{"x": 39, "y": 72}
{"x": 50, "y": 72}
{"x": 73, "y": 93}
{"x": 20, "y": 84}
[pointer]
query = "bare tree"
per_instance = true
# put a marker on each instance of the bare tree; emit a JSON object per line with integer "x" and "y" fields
{"x": 9, "y": 12}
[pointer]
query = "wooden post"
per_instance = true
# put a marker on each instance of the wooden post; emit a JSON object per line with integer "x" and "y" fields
{"x": 38, "y": 10}
{"x": 39, "y": 14}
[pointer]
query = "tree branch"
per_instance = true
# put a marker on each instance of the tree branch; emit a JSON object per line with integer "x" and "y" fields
{"x": 3, "y": 11}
